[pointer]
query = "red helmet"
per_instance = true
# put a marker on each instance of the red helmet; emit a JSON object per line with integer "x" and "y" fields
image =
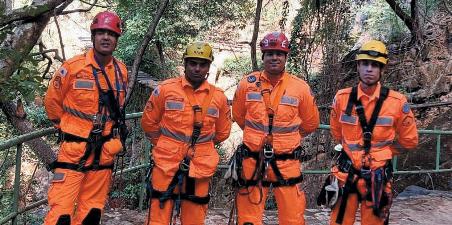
{"x": 108, "y": 21}
{"x": 275, "y": 41}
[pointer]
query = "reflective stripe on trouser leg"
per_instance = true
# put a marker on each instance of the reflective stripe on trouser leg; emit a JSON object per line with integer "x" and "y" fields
{"x": 62, "y": 194}
{"x": 247, "y": 208}
{"x": 93, "y": 193}
{"x": 350, "y": 210}
{"x": 291, "y": 203}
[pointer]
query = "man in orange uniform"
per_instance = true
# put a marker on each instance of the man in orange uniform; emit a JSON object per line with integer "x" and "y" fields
{"x": 275, "y": 111}
{"x": 85, "y": 100}
{"x": 184, "y": 118}
{"x": 372, "y": 123}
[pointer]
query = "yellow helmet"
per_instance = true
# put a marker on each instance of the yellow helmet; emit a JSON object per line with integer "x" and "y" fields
{"x": 200, "y": 50}
{"x": 373, "y": 50}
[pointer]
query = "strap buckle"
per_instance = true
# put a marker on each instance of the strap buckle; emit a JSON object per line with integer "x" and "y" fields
{"x": 265, "y": 91}
{"x": 365, "y": 173}
{"x": 184, "y": 166}
{"x": 95, "y": 135}
{"x": 367, "y": 136}
{"x": 298, "y": 153}
{"x": 268, "y": 151}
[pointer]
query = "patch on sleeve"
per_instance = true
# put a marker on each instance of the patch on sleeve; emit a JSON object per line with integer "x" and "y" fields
{"x": 406, "y": 108}
{"x": 407, "y": 121}
{"x": 251, "y": 79}
{"x": 57, "y": 82}
{"x": 62, "y": 71}
{"x": 156, "y": 91}
{"x": 149, "y": 106}
{"x": 258, "y": 84}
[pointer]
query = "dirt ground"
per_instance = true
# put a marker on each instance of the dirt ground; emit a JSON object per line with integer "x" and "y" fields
{"x": 414, "y": 206}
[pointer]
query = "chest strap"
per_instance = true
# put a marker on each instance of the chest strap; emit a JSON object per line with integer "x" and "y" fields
{"x": 272, "y": 106}
{"x": 367, "y": 127}
{"x": 199, "y": 111}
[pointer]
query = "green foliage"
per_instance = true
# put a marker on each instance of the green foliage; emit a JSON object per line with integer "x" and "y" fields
{"x": 241, "y": 65}
{"x": 6, "y": 196}
{"x": 126, "y": 189}
{"x": 182, "y": 22}
{"x": 26, "y": 81}
{"x": 381, "y": 22}
{"x": 38, "y": 116}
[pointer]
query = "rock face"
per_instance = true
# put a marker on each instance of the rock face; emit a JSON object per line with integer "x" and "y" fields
{"x": 414, "y": 206}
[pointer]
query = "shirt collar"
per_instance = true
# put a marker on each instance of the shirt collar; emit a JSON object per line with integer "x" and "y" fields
{"x": 204, "y": 85}
{"x": 89, "y": 60}
{"x": 371, "y": 97}
{"x": 265, "y": 75}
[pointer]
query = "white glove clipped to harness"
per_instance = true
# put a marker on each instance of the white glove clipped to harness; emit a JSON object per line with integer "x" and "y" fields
{"x": 331, "y": 198}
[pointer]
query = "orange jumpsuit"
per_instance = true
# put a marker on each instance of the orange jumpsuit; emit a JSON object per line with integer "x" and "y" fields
{"x": 295, "y": 117}
{"x": 395, "y": 131}
{"x": 168, "y": 122}
{"x": 71, "y": 102}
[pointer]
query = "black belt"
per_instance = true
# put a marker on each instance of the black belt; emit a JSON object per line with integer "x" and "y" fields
{"x": 281, "y": 183}
{"x": 183, "y": 196}
{"x": 77, "y": 167}
{"x": 80, "y": 167}
{"x": 295, "y": 154}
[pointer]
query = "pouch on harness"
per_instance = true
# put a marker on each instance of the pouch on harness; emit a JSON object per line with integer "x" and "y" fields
{"x": 95, "y": 140}
{"x": 377, "y": 180}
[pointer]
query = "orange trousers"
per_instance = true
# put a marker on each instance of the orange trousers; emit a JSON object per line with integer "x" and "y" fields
{"x": 290, "y": 200}
{"x": 75, "y": 194}
{"x": 367, "y": 215}
{"x": 191, "y": 213}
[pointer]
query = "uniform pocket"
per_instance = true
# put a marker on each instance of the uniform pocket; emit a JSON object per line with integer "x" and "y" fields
{"x": 109, "y": 151}
{"x": 71, "y": 152}
{"x": 255, "y": 105}
{"x": 83, "y": 93}
{"x": 210, "y": 118}
{"x": 205, "y": 161}
{"x": 380, "y": 158}
{"x": 384, "y": 129}
{"x": 287, "y": 109}
{"x": 174, "y": 110}
{"x": 351, "y": 129}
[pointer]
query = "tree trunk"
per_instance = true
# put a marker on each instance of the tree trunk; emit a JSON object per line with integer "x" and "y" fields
{"x": 39, "y": 146}
{"x": 159, "y": 46}
{"x": 411, "y": 21}
{"x": 144, "y": 44}
{"x": 14, "y": 47}
{"x": 18, "y": 44}
{"x": 255, "y": 33}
